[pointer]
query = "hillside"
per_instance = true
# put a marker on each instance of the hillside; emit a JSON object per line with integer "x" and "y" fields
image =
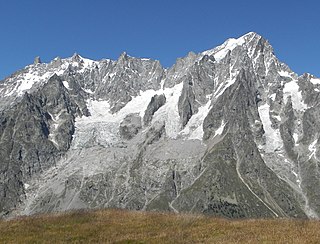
{"x": 121, "y": 226}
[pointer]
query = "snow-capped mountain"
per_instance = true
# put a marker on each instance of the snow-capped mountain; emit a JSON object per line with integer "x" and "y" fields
{"x": 230, "y": 132}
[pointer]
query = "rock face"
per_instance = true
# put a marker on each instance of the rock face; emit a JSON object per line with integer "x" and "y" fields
{"x": 156, "y": 102}
{"x": 230, "y": 132}
{"x": 130, "y": 126}
{"x": 37, "y": 60}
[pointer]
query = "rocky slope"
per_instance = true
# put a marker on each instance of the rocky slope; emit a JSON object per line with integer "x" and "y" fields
{"x": 229, "y": 132}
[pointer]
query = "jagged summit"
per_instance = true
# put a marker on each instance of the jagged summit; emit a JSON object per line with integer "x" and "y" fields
{"x": 37, "y": 60}
{"x": 230, "y": 132}
{"x": 250, "y": 40}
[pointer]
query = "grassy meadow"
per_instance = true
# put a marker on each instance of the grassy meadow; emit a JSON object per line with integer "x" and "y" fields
{"x": 120, "y": 226}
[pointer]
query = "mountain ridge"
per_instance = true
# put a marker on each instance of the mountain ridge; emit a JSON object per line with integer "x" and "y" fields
{"x": 231, "y": 132}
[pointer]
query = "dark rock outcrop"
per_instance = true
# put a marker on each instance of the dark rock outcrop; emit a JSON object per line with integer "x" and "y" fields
{"x": 157, "y": 101}
{"x": 130, "y": 126}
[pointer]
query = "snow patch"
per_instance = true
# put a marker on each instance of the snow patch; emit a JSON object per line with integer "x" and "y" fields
{"x": 221, "y": 51}
{"x": 27, "y": 83}
{"x": 312, "y": 148}
{"x": 277, "y": 117}
{"x": 273, "y": 97}
{"x": 292, "y": 89}
{"x": 54, "y": 125}
{"x": 220, "y": 129}
{"x": 284, "y": 73}
{"x": 295, "y": 137}
{"x": 315, "y": 81}
{"x": 87, "y": 63}
{"x": 169, "y": 112}
{"x": 66, "y": 84}
{"x": 88, "y": 91}
{"x": 273, "y": 137}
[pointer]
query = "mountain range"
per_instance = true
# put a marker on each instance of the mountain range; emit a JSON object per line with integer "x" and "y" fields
{"x": 230, "y": 132}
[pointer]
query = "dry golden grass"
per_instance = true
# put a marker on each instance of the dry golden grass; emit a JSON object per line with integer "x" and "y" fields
{"x": 119, "y": 226}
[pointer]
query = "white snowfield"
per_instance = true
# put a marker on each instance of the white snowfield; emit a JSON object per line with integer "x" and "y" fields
{"x": 292, "y": 89}
{"x": 273, "y": 138}
{"x": 103, "y": 125}
{"x": 221, "y": 51}
{"x": 38, "y": 74}
{"x": 315, "y": 81}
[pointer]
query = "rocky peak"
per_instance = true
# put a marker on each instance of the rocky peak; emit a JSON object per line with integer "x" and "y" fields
{"x": 123, "y": 58}
{"x": 37, "y": 60}
{"x": 76, "y": 57}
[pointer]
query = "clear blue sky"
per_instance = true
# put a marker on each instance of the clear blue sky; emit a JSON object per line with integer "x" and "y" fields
{"x": 162, "y": 29}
